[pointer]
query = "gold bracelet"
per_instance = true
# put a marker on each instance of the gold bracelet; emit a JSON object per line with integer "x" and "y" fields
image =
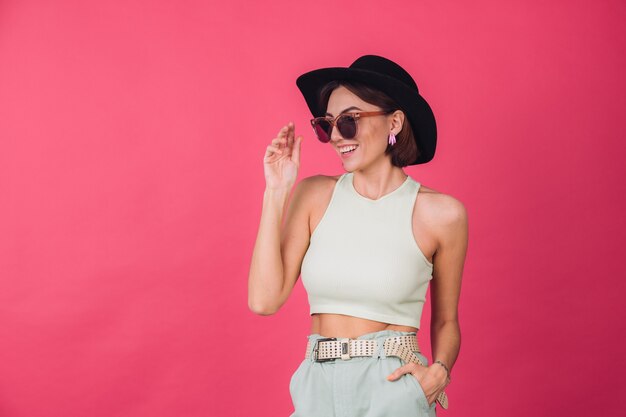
{"x": 444, "y": 366}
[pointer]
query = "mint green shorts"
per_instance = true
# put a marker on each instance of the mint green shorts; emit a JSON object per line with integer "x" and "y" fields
{"x": 358, "y": 387}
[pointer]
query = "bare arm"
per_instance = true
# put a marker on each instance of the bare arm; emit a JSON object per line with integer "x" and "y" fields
{"x": 265, "y": 280}
{"x": 279, "y": 250}
{"x": 448, "y": 262}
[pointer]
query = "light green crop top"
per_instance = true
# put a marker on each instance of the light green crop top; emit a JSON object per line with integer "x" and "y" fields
{"x": 363, "y": 260}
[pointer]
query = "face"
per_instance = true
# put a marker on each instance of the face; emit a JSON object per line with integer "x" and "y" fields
{"x": 372, "y": 132}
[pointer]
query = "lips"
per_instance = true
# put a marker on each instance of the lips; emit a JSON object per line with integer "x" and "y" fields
{"x": 346, "y": 150}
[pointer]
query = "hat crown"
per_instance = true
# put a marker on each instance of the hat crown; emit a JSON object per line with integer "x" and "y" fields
{"x": 384, "y": 67}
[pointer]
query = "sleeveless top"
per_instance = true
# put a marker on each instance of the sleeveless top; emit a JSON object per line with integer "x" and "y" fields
{"x": 363, "y": 260}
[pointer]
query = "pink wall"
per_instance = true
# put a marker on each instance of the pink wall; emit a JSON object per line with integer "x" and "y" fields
{"x": 132, "y": 136}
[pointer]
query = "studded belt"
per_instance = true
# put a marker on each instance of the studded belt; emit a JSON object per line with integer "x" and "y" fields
{"x": 331, "y": 348}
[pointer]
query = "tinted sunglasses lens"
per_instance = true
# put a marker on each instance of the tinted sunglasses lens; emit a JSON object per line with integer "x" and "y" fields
{"x": 347, "y": 127}
{"x": 322, "y": 129}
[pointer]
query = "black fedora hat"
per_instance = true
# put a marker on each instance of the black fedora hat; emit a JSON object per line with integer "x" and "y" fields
{"x": 388, "y": 77}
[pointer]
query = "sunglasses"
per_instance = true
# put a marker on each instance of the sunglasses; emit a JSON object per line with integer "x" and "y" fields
{"x": 346, "y": 124}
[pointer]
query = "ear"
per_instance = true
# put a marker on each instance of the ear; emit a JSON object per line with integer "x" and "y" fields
{"x": 396, "y": 121}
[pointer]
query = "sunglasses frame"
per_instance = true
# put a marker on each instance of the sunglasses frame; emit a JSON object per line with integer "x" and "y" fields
{"x": 333, "y": 121}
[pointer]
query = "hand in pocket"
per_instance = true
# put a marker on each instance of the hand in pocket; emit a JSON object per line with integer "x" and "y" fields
{"x": 427, "y": 380}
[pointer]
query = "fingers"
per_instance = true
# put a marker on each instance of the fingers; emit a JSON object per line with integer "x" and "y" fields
{"x": 278, "y": 142}
{"x": 282, "y": 131}
{"x": 404, "y": 369}
{"x": 295, "y": 153}
{"x": 285, "y": 143}
{"x": 271, "y": 152}
{"x": 290, "y": 134}
{"x": 281, "y": 137}
{"x": 273, "y": 149}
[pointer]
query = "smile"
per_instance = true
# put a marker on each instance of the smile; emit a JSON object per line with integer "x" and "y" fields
{"x": 348, "y": 149}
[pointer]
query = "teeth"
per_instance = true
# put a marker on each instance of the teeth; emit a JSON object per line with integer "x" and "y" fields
{"x": 348, "y": 148}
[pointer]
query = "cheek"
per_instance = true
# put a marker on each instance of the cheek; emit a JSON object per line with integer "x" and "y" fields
{"x": 373, "y": 147}
{"x": 377, "y": 135}
{"x": 373, "y": 138}
{"x": 377, "y": 140}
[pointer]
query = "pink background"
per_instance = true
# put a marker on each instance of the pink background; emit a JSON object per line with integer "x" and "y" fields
{"x": 132, "y": 135}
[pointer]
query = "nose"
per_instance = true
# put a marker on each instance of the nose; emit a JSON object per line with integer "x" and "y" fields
{"x": 334, "y": 134}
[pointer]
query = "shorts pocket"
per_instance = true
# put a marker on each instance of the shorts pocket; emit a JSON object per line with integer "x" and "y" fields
{"x": 294, "y": 378}
{"x": 413, "y": 381}
{"x": 420, "y": 391}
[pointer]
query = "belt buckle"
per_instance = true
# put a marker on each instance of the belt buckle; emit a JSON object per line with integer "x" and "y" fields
{"x": 316, "y": 349}
{"x": 345, "y": 349}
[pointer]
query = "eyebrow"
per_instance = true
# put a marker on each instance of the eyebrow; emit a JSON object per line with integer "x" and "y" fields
{"x": 345, "y": 110}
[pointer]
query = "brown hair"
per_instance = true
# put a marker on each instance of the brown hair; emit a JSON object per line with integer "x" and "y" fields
{"x": 405, "y": 151}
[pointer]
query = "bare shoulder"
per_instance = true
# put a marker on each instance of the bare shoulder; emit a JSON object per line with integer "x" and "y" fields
{"x": 317, "y": 191}
{"x": 442, "y": 214}
{"x": 318, "y": 186}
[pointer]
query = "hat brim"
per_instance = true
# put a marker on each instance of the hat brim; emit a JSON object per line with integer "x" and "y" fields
{"x": 417, "y": 110}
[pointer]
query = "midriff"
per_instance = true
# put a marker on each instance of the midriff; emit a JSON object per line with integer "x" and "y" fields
{"x": 340, "y": 325}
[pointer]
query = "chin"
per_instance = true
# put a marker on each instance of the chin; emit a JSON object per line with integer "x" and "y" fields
{"x": 349, "y": 166}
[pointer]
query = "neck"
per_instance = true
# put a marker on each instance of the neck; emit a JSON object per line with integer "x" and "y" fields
{"x": 375, "y": 183}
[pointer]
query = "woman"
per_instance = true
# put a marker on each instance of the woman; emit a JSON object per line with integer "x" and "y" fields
{"x": 367, "y": 247}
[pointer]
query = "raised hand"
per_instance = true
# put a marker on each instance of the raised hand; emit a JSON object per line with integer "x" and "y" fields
{"x": 282, "y": 159}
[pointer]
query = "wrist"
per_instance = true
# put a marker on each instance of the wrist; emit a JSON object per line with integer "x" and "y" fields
{"x": 279, "y": 191}
{"x": 443, "y": 365}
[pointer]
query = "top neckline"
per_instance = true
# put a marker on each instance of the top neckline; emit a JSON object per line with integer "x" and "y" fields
{"x": 351, "y": 186}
